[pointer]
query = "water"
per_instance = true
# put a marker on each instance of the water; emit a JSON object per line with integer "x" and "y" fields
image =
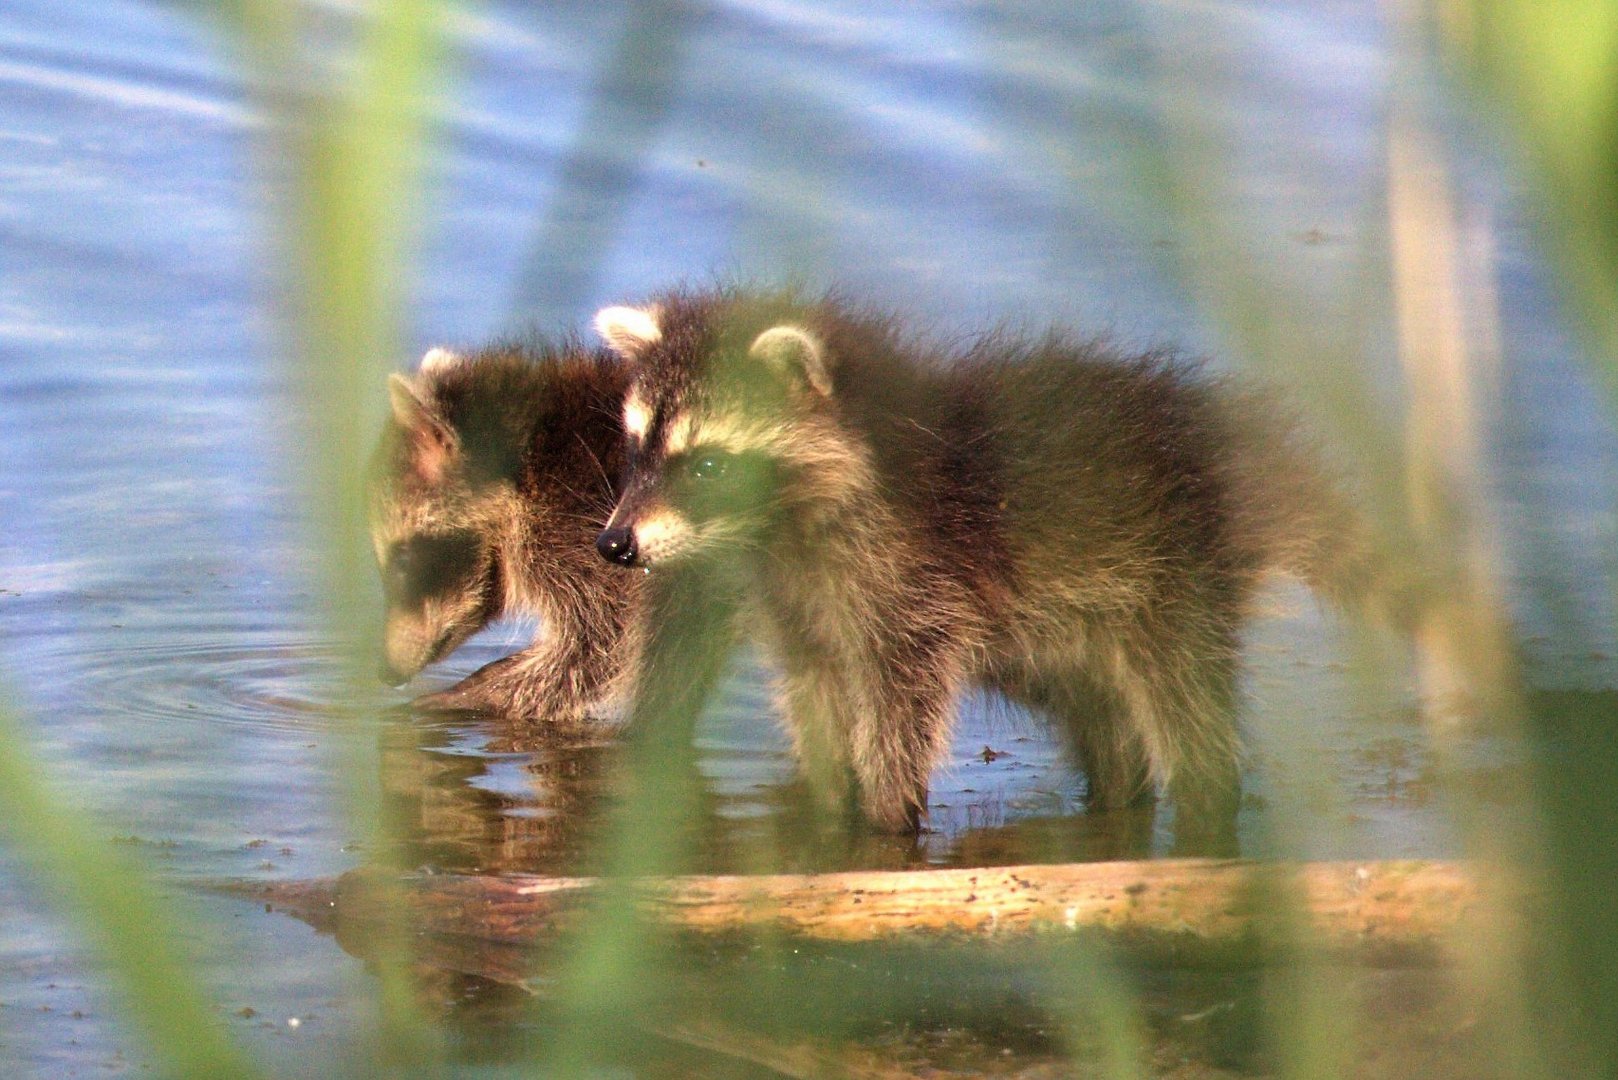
{"x": 156, "y": 626}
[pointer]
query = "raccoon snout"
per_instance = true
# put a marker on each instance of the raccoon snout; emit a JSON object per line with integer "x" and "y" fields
{"x": 390, "y": 675}
{"x": 617, "y": 546}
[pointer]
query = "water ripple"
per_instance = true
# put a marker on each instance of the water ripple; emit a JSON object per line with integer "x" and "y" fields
{"x": 273, "y": 685}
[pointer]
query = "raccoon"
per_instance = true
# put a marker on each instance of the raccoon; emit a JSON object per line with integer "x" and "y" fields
{"x": 1080, "y": 530}
{"x": 494, "y": 473}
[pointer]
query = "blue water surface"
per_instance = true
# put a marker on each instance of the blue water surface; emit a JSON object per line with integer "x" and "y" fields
{"x": 960, "y": 163}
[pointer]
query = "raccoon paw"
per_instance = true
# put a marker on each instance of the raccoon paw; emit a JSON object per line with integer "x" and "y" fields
{"x": 897, "y": 817}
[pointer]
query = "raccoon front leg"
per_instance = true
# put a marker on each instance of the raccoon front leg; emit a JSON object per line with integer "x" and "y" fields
{"x": 852, "y": 748}
{"x": 478, "y": 692}
{"x": 905, "y": 731}
{"x": 539, "y": 684}
{"x": 814, "y": 700}
{"x": 531, "y": 683}
{"x": 561, "y": 678}
{"x": 894, "y": 754}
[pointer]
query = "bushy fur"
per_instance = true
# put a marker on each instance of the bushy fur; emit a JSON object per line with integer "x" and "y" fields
{"x": 1078, "y": 529}
{"x": 493, "y": 475}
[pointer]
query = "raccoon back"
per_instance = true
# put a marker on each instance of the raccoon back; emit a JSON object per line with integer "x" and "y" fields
{"x": 1128, "y": 470}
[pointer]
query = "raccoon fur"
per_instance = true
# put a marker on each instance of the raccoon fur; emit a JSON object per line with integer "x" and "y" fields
{"x": 494, "y": 473}
{"x": 1080, "y": 530}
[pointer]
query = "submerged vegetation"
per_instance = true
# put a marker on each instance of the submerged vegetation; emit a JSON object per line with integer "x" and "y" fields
{"x": 1525, "y": 997}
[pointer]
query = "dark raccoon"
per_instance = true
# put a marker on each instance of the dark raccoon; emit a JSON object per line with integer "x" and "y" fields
{"x": 1078, "y": 529}
{"x": 494, "y": 474}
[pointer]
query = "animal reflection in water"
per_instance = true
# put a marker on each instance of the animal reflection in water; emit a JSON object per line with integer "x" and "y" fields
{"x": 482, "y": 794}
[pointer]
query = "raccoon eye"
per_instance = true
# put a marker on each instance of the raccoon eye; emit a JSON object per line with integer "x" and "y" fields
{"x": 709, "y": 465}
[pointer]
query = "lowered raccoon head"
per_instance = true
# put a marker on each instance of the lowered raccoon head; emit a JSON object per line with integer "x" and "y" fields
{"x": 436, "y": 522}
{"x": 732, "y": 426}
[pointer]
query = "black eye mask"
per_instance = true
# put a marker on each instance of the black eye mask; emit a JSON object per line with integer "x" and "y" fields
{"x": 426, "y": 566}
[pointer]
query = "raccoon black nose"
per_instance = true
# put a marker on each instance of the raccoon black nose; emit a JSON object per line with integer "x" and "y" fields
{"x": 617, "y": 546}
{"x": 389, "y": 676}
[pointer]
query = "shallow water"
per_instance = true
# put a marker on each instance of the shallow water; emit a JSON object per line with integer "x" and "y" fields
{"x": 156, "y": 626}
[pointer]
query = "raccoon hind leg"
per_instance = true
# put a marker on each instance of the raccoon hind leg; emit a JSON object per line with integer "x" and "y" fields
{"x": 1178, "y": 689}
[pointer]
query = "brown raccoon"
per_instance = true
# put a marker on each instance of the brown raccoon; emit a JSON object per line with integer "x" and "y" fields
{"x": 493, "y": 476}
{"x": 1078, "y": 529}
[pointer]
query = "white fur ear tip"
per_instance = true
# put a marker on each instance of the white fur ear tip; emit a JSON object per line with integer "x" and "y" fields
{"x": 437, "y": 359}
{"x": 627, "y": 327}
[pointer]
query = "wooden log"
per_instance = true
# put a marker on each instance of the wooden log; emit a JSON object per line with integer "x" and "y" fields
{"x": 1178, "y": 911}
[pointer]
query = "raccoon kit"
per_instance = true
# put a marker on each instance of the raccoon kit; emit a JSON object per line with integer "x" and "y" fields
{"x": 1079, "y": 530}
{"x": 494, "y": 474}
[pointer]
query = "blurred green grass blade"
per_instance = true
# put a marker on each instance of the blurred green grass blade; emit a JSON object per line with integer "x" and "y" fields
{"x": 352, "y": 155}
{"x": 357, "y": 191}
{"x": 1105, "y": 1021}
{"x": 357, "y": 168}
{"x": 1576, "y": 997}
{"x": 118, "y": 913}
{"x": 613, "y": 981}
{"x": 1552, "y": 67}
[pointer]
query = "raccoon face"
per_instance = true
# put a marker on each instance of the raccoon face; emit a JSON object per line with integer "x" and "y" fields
{"x": 687, "y": 501}
{"x": 440, "y": 569}
{"x": 723, "y": 441}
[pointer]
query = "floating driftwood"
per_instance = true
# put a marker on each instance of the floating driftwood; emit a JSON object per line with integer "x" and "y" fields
{"x": 1179, "y": 911}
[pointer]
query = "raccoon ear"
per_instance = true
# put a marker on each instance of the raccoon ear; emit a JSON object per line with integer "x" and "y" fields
{"x": 430, "y": 439}
{"x": 628, "y": 329}
{"x": 410, "y": 409}
{"x": 793, "y": 350}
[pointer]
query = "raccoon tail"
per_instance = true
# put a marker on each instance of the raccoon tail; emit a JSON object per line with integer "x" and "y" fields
{"x": 1303, "y": 515}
